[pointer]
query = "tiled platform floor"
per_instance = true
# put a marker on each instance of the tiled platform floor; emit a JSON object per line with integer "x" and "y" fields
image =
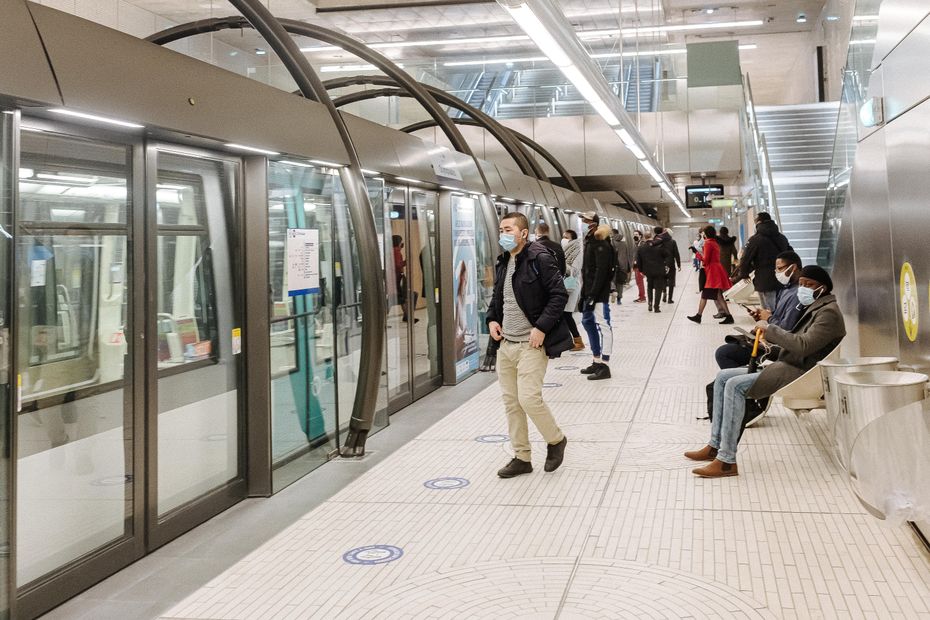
{"x": 622, "y": 530}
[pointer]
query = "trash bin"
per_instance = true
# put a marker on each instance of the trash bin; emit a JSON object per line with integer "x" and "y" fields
{"x": 829, "y": 368}
{"x": 866, "y": 396}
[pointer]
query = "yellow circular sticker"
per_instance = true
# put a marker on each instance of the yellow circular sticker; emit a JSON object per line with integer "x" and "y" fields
{"x": 909, "y": 307}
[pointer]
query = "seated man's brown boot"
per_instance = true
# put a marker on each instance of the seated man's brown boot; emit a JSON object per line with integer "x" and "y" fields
{"x": 579, "y": 344}
{"x": 716, "y": 469}
{"x": 706, "y": 453}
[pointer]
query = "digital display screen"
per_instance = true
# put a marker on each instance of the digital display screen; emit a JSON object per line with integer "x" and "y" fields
{"x": 699, "y": 196}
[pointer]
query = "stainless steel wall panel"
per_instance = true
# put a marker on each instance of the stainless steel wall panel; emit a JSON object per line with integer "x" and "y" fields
{"x": 873, "y": 249}
{"x": 110, "y": 73}
{"x": 563, "y": 136}
{"x": 675, "y": 153}
{"x": 375, "y": 145}
{"x": 24, "y": 71}
{"x": 517, "y": 185}
{"x": 495, "y": 181}
{"x": 897, "y": 19}
{"x": 844, "y": 284}
{"x": 604, "y": 153}
{"x": 714, "y": 141}
{"x": 902, "y": 69}
{"x": 907, "y": 145}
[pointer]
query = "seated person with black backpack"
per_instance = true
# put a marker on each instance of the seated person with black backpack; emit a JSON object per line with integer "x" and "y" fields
{"x": 819, "y": 330}
{"x": 738, "y": 348}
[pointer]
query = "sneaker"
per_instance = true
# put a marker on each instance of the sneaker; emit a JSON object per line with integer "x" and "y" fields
{"x": 602, "y": 372}
{"x": 696, "y": 318}
{"x": 671, "y": 301}
{"x": 719, "y": 315}
{"x": 590, "y": 369}
{"x": 515, "y": 467}
{"x": 727, "y": 320}
{"x": 656, "y": 309}
{"x": 555, "y": 452}
{"x": 639, "y": 301}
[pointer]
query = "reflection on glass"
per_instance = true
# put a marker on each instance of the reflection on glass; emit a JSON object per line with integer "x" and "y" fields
{"x": 7, "y": 179}
{"x": 198, "y": 395}
{"x": 377, "y": 195}
{"x": 397, "y": 282}
{"x": 486, "y": 241}
{"x": 424, "y": 298}
{"x": 74, "y": 423}
{"x": 303, "y": 391}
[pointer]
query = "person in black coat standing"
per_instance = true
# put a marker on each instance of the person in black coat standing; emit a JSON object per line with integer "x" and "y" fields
{"x": 542, "y": 236}
{"x": 672, "y": 262}
{"x": 759, "y": 255}
{"x": 652, "y": 258}
{"x": 525, "y": 316}
{"x": 597, "y": 274}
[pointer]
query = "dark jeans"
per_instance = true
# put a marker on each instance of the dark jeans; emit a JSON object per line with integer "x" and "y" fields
{"x": 670, "y": 284}
{"x": 656, "y": 288}
{"x": 732, "y": 355}
{"x": 572, "y": 326}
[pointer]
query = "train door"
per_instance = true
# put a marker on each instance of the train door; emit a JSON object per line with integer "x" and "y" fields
{"x": 413, "y": 354}
{"x": 192, "y": 318}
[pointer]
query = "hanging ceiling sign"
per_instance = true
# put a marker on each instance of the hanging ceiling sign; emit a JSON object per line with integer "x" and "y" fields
{"x": 444, "y": 164}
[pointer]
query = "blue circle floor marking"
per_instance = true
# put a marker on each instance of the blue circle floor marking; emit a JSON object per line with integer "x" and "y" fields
{"x": 492, "y": 438}
{"x": 373, "y": 554}
{"x": 442, "y": 484}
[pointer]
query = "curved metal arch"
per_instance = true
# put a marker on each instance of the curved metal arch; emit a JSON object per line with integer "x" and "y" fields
{"x": 536, "y": 146}
{"x": 257, "y": 16}
{"x": 338, "y": 39}
{"x": 527, "y": 164}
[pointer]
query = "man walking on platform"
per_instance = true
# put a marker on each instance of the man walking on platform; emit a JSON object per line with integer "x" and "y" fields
{"x": 525, "y": 316}
{"x": 759, "y": 257}
{"x": 597, "y": 273}
{"x": 640, "y": 280}
{"x": 542, "y": 236}
{"x": 672, "y": 262}
{"x": 652, "y": 258}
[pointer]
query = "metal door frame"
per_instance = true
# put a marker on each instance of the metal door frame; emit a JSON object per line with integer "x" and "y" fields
{"x": 38, "y": 597}
{"x": 189, "y": 515}
{"x": 429, "y": 384}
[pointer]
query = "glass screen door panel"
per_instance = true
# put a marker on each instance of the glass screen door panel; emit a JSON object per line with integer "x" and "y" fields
{"x": 303, "y": 358}
{"x": 397, "y": 282}
{"x": 422, "y": 260}
{"x": 74, "y": 415}
{"x": 197, "y": 387}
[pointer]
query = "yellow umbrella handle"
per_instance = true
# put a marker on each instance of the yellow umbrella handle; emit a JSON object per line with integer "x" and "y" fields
{"x": 755, "y": 345}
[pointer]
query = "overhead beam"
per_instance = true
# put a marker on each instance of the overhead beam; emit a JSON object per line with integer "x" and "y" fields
{"x": 335, "y": 6}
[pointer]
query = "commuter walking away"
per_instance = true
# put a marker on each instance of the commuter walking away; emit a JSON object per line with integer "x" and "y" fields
{"x": 698, "y": 245}
{"x": 672, "y": 262}
{"x": 574, "y": 256}
{"x": 738, "y": 348}
{"x": 652, "y": 258}
{"x": 759, "y": 256}
{"x": 622, "y": 273}
{"x": 727, "y": 250}
{"x": 597, "y": 273}
{"x": 525, "y": 316}
{"x": 717, "y": 280}
{"x": 819, "y": 330}
{"x": 542, "y": 236}
{"x": 640, "y": 280}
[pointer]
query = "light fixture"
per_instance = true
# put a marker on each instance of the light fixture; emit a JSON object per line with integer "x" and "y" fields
{"x": 295, "y": 163}
{"x": 630, "y": 143}
{"x": 67, "y": 178}
{"x": 326, "y": 164}
{"x": 408, "y": 180}
{"x": 709, "y": 11}
{"x": 99, "y": 119}
{"x": 251, "y": 149}
{"x": 260, "y": 52}
{"x": 449, "y": 188}
{"x": 651, "y": 170}
{"x": 801, "y": 19}
{"x": 833, "y": 18}
{"x": 863, "y": 42}
{"x": 612, "y": 32}
{"x": 339, "y": 68}
{"x": 25, "y": 173}
{"x": 371, "y": 172}
{"x": 865, "y": 18}
{"x": 670, "y": 51}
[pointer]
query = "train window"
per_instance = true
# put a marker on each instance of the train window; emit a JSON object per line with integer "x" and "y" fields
{"x": 186, "y": 303}
{"x": 72, "y": 286}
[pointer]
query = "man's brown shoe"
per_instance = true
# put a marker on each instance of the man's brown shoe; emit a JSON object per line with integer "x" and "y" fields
{"x": 716, "y": 469}
{"x": 704, "y": 454}
{"x": 578, "y": 344}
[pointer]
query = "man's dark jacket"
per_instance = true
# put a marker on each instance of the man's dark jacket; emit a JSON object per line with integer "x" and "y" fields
{"x": 555, "y": 248}
{"x": 673, "y": 260}
{"x": 597, "y": 270}
{"x": 541, "y": 295}
{"x": 759, "y": 256}
{"x": 652, "y": 258}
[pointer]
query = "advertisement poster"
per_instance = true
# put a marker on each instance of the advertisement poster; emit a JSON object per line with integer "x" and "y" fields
{"x": 465, "y": 285}
{"x": 303, "y": 261}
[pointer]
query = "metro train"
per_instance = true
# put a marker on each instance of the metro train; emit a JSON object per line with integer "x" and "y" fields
{"x": 185, "y": 310}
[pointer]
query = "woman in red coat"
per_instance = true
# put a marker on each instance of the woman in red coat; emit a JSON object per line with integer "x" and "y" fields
{"x": 717, "y": 278}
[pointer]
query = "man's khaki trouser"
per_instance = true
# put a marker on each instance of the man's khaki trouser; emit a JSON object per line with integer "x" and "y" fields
{"x": 521, "y": 370}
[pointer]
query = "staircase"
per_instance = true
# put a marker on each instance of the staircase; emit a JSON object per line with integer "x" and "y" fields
{"x": 800, "y": 139}
{"x": 641, "y": 91}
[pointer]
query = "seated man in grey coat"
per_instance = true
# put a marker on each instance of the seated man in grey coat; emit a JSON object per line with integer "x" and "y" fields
{"x": 819, "y": 330}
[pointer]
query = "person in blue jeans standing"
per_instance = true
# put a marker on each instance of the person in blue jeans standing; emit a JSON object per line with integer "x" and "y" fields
{"x": 819, "y": 330}
{"x": 597, "y": 273}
